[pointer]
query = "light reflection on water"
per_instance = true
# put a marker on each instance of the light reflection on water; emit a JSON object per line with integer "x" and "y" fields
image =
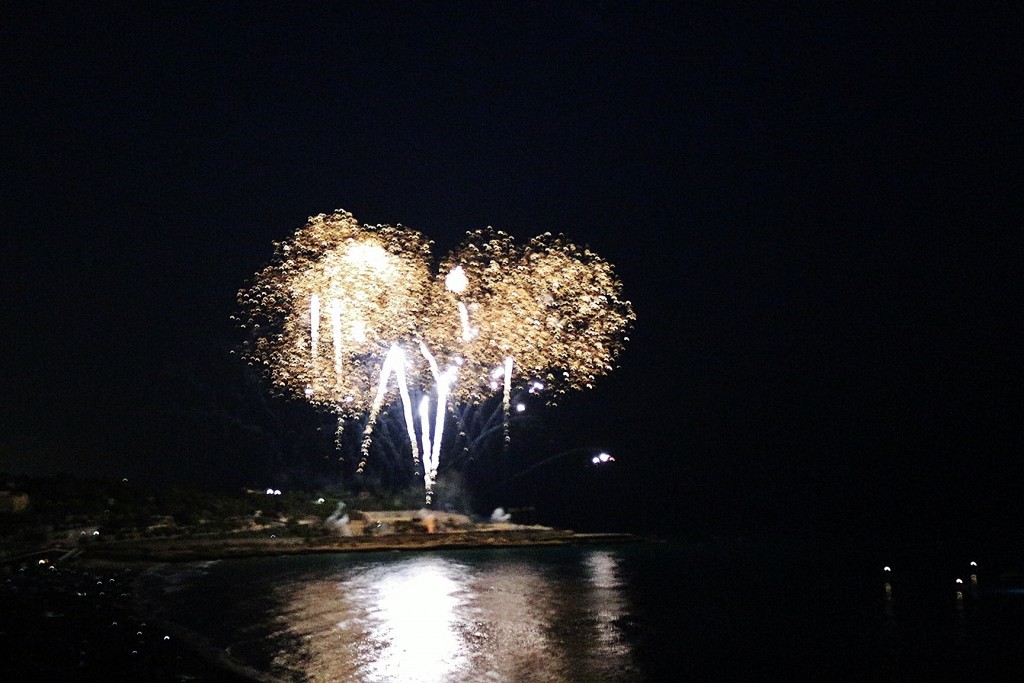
{"x": 435, "y": 618}
{"x": 638, "y": 612}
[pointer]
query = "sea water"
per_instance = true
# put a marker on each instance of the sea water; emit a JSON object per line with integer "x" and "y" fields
{"x": 646, "y": 611}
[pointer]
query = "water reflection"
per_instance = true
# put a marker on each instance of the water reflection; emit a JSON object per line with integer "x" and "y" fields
{"x": 607, "y": 600}
{"x": 435, "y": 618}
{"x": 413, "y": 621}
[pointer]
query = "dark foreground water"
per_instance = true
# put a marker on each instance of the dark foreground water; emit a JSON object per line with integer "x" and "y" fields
{"x": 633, "y": 612}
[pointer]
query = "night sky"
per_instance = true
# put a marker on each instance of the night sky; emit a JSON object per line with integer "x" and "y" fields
{"x": 816, "y": 215}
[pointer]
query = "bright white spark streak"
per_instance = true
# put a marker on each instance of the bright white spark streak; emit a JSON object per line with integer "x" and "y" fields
{"x": 314, "y": 325}
{"x": 434, "y": 370}
{"x": 403, "y": 390}
{"x": 378, "y": 401}
{"x": 394, "y": 362}
{"x": 336, "y": 334}
{"x": 336, "y": 331}
{"x": 429, "y": 457}
{"x": 467, "y": 331}
{"x": 425, "y": 436}
{"x": 443, "y": 382}
{"x": 429, "y": 454}
{"x": 443, "y": 385}
{"x": 455, "y": 281}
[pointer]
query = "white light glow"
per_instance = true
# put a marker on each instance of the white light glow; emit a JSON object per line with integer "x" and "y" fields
{"x": 455, "y": 281}
{"x": 372, "y": 256}
{"x": 359, "y": 331}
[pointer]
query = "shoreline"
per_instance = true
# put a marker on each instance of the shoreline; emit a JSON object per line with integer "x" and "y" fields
{"x": 187, "y": 549}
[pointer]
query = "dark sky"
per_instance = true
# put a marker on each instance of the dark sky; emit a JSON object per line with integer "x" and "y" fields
{"x": 817, "y": 216}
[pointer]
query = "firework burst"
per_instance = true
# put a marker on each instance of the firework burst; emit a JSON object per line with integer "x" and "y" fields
{"x": 354, "y": 318}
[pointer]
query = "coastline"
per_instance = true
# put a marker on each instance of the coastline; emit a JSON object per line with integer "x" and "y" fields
{"x": 187, "y": 549}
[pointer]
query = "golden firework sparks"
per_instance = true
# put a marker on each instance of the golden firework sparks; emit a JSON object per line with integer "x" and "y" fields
{"x": 343, "y": 307}
{"x": 334, "y": 300}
